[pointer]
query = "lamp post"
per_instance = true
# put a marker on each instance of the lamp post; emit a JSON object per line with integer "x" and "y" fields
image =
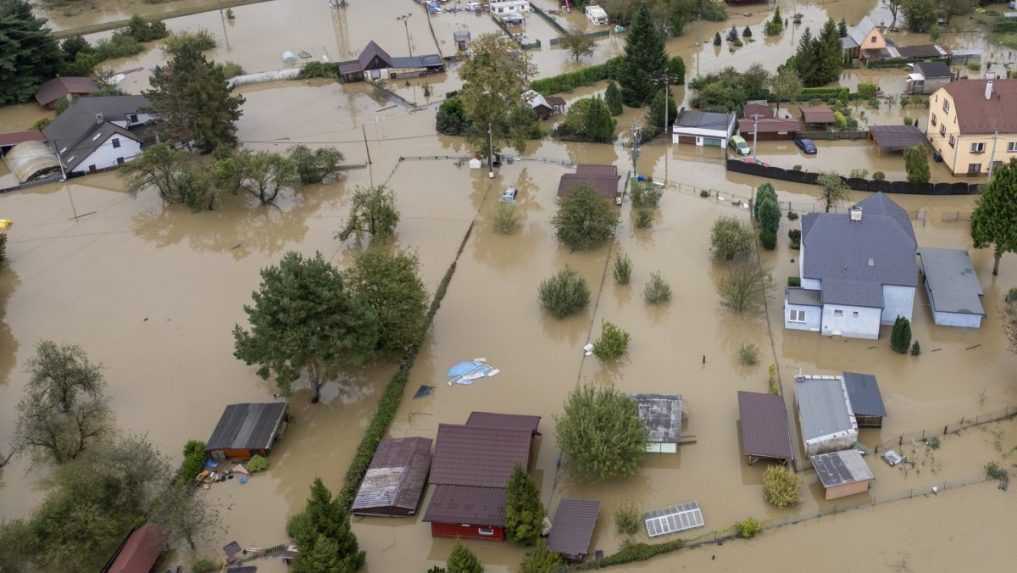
{"x": 755, "y": 131}
{"x": 406, "y": 26}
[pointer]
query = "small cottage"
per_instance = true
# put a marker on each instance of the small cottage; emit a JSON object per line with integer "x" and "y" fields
{"x": 817, "y": 116}
{"x": 842, "y": 473}
{"x": 764, "y": 427}
{"x": 824, "y": 414}
{"x": 246, "y": 430}
{"x": 704, "y": 128}
{"x": 139, "y": 551}
{"x": 66, "y": 88}
{"x": 866, "y": 400}
{"x": 374, "y": 63}
{"x": 395, "y": 480}
{"x": 603, "y": 179}
{"x": 572, "y": 528}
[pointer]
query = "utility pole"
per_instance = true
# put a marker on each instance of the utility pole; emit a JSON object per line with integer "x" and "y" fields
{"x": 406, "y": 26}
{"x": 755, "y": 131}
{"x": 490, "y": 152}
{"x": 667, "y": 124}
{"x": 992, "y": 157}
{"x": 635, "y": 149}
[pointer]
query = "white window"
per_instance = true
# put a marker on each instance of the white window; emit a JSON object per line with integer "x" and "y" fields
{"x": 942, "y": 132}
{"x": 854, "y": 314}
{"x": 838, "y": 312}
{"x": 487, "y": 532}
{"x": 1011, "y": 147}
{"x": 797, "y": 315}
{"x": 978, "y": 147}
{"x": 933, "y": 119}
{"x": 946, "y": 106}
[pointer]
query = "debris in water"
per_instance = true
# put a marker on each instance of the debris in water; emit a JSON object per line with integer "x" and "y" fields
{"x": 467, "y": 371}
{"x": 423, "y": 391}
{"x": 892, "y": 458}
{"x": 972, "y": 347}
{"x": 588, "y": 349}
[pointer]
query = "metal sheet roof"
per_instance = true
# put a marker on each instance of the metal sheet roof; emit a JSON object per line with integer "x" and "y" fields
{"x": 478, "y": 456}
{"x": 863, "y": 390}
{"x": 817, "y": 114}
{"x": 504, "y": 421}
{"x": 839, "y": 468}
{"x": 395, "y": 479}
{"x": 572, "y": 528}
{"x": 674, "y": 519}
{"x": 662, "y": 416}
{"x": 852, "y": 293}
{"x": 764, "y": 426}
{"x": 933, "y": 69}
{"x": 896, "y": 137}
{"x": 704, "y": 119}
{"x": 823, "y": 406}
{"x": 140, "y": 551}
{"x": 247, "y": 426}
{"x": 952, "y": 282}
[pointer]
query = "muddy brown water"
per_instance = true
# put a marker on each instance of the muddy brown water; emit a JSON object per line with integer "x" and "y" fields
{"x": 153, "y": 291}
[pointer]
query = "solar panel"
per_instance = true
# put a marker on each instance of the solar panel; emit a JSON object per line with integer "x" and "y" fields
{"x": 674, "y": 519}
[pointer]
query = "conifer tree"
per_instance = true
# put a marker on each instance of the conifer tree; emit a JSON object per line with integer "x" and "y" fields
{"x": 28, "y": 53}
{"x": 645, "y": 60}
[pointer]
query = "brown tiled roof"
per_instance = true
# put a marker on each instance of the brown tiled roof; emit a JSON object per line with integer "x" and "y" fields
{"x": 477, "y": 456}
{"x": 395, "y": 479}
{"x": 975, "y": 114}
{"x": 764, "y": 426}
{"x": 140, "y": 551}
{"x": 505, "y": 421}
{"x": 464, "y": 504}
{"x": 16, "y": 137}
{"x": 603, "y": 179}
{"x": 594, "y": 170}
{"x": 57, "y": 88}
{"x": 769, "y": 126}
{"x": 760, "y": 108}
{"x": 572, "y": 528}
{"x": 820, "y": 113}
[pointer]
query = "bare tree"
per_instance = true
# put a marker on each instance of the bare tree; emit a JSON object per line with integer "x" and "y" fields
{"x": 745, "y": 288}
{"x": 182, "y": 511}
{"x": 580, "y": 45}
{"x": 834, "y": 189}
{"x": 894, "y": 7}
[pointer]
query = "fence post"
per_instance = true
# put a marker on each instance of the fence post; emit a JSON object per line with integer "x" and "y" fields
{"x": 923, "y": 435}
{"x": 900, "y": 441}
{"x": 945, "y": 428}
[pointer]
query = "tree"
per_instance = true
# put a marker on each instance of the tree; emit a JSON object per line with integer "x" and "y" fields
{"x": 730, "y": 239}
{"x": 304, "y": 320}
{"x": 916, "y": 163}
{"x": 831, "y": 55}
{"x": 768, "y": 214}
{"x": 842, "y": 28}
{"x": 28, "y": 53}
{"x": 178, "y": 180}
{"x": 524, "y": 514}
{"x": 655, "y": 115}
{"x": 564, "y": 294}
{"x": 588, "y": 119}
{"x": 806, "y": 59}
{"x": 265, "y": 174}
{"x": 196, "y": 106}
{"x": 387, "y": 282}
{"x": 494, "y": 79}
{"x": 786, "y": 86}
{"x": 676, "y": 70}
{"x": 451, "y": 118}
{"x": 729, "y": 89}
{"x": 323, "y": 535}
{"x": 834, "y": 189}
{"x": 600, "y": 434}
{"x": 462, "y": 560}
{"x": 584, "y": 219}
{"x": 645, "y": 60}
{"x": 72, "y": 46}
{"x": 613, "y": 98}
{"x": 994, "y": 221}
{"x": 65, "y": 410}
{"x": 744, "y": 289}
{"x": 775, "y": 25}
{"x": 900, "y": 336}
{"x": 894, "y": 7}
{"x": 184, "y": 515}
{"x": 315, "y": 166}
{"x": 781, "y": 486}
{"x": 920, "y": 14}
{"x": 541, "y": 559}
{"x": 612, "y": 344}
{"x": 579, "y": 44}
{"x": 373, "y": 212}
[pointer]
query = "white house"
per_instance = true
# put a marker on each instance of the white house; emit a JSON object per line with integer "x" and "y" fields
{"x": 858, "y": 271}
{"x": 596, "y": 15}
{"x": 704, "y": 128}
{"x": 507, "y": 7}
{"x": 94, "y": 133}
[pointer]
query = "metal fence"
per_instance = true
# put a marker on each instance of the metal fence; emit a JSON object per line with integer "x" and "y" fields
{"x": 854, "y": 183}
{"x": 964, "y": 423}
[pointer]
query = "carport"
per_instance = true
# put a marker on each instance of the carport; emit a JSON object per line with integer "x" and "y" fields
{"x": 895, "y": 138}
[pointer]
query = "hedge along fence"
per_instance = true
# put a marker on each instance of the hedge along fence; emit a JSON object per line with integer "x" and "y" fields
{"x": 554, "y": 23}
{"x": 854, "y": 183}
{"x": 845, "y": 134}
{"x": 902, "y": 62}
{"x": 609, "y": 70}
{"x": 388, "y": 406}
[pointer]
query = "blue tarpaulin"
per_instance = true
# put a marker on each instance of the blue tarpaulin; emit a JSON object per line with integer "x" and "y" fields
{"x": 467, "y": 371}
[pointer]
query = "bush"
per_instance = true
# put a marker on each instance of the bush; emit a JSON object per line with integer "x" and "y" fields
{"x": 712, "y": 11}
{"x": 200, "y": 40}
{"x": 657, "y": 291}
{"x": 771, "y": 380}
{"x": 144, "y": 31}
{"x": 584, "y": 219}
{"x": 900, "y": 336}
{"x": 564, "y": 294}
{"x": 867, "y": 90}
{"x": 795, "y": 235}
{"x": 745, "y": 288}
{"x": 644, "y": 218}
{"x": 748, "y": 528}
{"x": 747, "y": 32}
{"x": 193, "y": 463}
{"x": 541, "y": 560}
{"x": 676, "y": 70}
{"x": 257, "y": 464}
{"x": 600, "y": 434}
{"x": 916, "y": 349}
{"x": 794, "y": 282}
{"x": 645, "y": 194}
{"x": 612, "y": 344}
{"x": 587, "y": 76}
{"x": 588, "y": 119}
{"x": 613, "y": 98}
{"x": 781, "y": 486}
{"x": 916, "y": 162}
{"x": 704, "y": 193}
{"x": 506, "y": 218}
{"x": 524, "y": 514}
{"x": 315, "y": 166}
{"x": 319, "y": 70}
{"x": 451, "y": 118}
{"x": 205, "y": 566}
{"x": 3, "y": 250}
{"x": 627, "y": 519}
{"x": 879, "y": 176}
{"x": 622, "y": 269}
{"x": 231, "y": 70}
{"x": 462, "y": 560}
{"x": 730, "y": 239}
{"x": 768, "y": 239}
{"x": 792, "y": 216}
{"x": 994, "y": 471}
{"x": 748, "y": 354}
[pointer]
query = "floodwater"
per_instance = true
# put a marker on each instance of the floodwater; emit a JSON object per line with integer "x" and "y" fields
{"x": 167, "y": 285}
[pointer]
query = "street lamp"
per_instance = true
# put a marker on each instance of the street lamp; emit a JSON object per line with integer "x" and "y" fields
{"x": 406, "y": 26}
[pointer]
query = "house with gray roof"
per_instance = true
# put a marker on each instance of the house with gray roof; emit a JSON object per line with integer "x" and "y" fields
{"x": 374, "y": 63}
{"x": 704, "y": 128}
{"x": 857, "y": 269}
{"x": 95, "y": 133}
{"x": 955, "y": 295}
{"x": 825, "y": 414}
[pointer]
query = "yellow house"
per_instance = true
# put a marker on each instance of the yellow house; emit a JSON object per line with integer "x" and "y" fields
{"x": 864, "y": 40}
{"x": 973, "y": 124}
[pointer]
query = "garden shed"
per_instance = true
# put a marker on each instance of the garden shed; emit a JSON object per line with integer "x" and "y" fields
{"x": 818, "y": 115}
{"x": 764, "y": 427}
{"x": 603, "y": 179}
{"x": 824, "y": 414}
{"x": 394, "y": 482}
{"x": 246, "y": 430}
{"x": 662, "y": 416}
{"x": 895, "y": 138}
{"x": 842, "y": 473}
{"x": 866, "y": 400}
{"x": 139, "y": 551}
{"x": 955, "y": 294}
{"x": 572, "y": 528}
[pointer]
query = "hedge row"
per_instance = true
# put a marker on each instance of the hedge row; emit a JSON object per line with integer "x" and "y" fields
{"x": 584, "y": 77}
{"x": 633, "y": 552}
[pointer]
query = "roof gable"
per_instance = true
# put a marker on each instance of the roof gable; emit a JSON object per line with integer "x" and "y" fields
{"x": 373, "y": 57}
{"x": 247, "y": 426}
{"x": 975, "y": 114}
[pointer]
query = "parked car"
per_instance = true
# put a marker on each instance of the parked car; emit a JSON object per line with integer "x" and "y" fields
{"x": 807, "y": 146}
{"x": 738, "y": 144}
{"x": 509, "y": 195}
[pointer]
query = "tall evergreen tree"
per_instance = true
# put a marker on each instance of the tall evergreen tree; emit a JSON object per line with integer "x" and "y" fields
{"x": 28, "y": 53}
{"x": 524, "y": 514}
{"x": 613, "y": 99}
{"x": 599, "y": 123}
{"x": 645, "y": 60}
{"x": 831, "y": 58}
{"x": 323, "y": 535}
{"x": 197, "y": 107}
{"x": 805, "y": 61}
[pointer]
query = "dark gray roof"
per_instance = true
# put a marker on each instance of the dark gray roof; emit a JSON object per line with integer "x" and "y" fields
{"x": 879, "y": 249}
{"x": 764, "y": 427}
{"x": 934, "y": 70}
{"x": 572, "y": 528}
{"x": 373, "y": 51}
{"x": 662, "y": 416}
{"x": 803, "y": 297}
{"x": 247, "y": 426}
{"x": 425, "y": 61}
{"x": 704, "y": 119}
{"x": 896, "y": 137}
{"x": 823, "y": 406}
{"x": 839, "y": 468}
{"x": 504, "y": 421}
{"x": 57, "y": 88}
{"x": 478, "y": 456}
{"x": 72, "y": 133}
{"x": 852, "y": 293}
{"x": 864, "y": 393}
{"x": 952, "y": 282}
{"x": 921, "y": 51}
{"x": 396, "y": 477}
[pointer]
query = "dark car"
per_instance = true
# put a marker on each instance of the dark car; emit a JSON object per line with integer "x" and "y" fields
{"x": 807, "y": 146}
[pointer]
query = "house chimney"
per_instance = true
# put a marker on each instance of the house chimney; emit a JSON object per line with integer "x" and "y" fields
{"x": 988, "y": 86}
{"x": 99, "y": 119}
{"x": 855, "y": 213}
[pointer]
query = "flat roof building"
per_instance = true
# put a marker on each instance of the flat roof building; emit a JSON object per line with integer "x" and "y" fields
{"x": 572, "y": 528}
{"x": 951, "y": 282}
{"x": 842, "y": 473}
{"x": 866, "y": 400}
{"x": 824, "y": 414}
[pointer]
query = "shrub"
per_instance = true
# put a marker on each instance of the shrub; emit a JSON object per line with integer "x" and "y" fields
{"x": 748, "y": 354}
{"x": 622, "y": 269}
{"x": 506, "y": 218}
{"x": 657, "y": 291}
{"x": 524, "y": 514}
{"x": 541, "y": 560}
{"x": 257, "y": 464}
{"x": 319, "y": 70}
{"x": 462, "y": 560}
{"x": 704, "y": 193}
{"x": 231, "y": 70}
{"x": 867, "y": 90}
{"x": 994, "y": 471}
{"x": 584, "y": 219}
{"x": 768, "y": 239}
{"x": 712, "y": 11}
{"x": 613, "y": 98}
{"x": 773, "y": 383}
{"x": 933, "y": 443}
{"x": 627, "y": 519}
{"x": 205, "y": 566}
{"x": 859, "y": 173}
{"x": 588, "y": 119}
{"x": 645, "y": 194}
{"x": 194, "y": 461}
{"x": 879, "y": 176}
{"x": 144, "y": 31}
{"x": 781, "y": 486}
{"x": 600, "y": 434}
{"x": 795, "y": 235}
{"x": 315, "y": 166}
{"x": 747, "y": 32}
{"x": 916, "y": 349}
{"x": 744, "y": 288}
{"x": 3, "y": 249}
{"x": 792, "y": 216}
{"x": 916, "y": 162}
{"x": 676, "y": 70}
{"x": 451, "y": 118}
{"x": 612, "y": 344}
{"x": 564, "y": 294}
{"x": 900, "y": 336}
{"x": 716, "y": 39}
{"x": 730, "y": 239}
{"x": 644, "y": 218}
{"x": 794, "y": 282}
{"x": 748, "y": 528}
{"x": 200, "y": 40}
{"x": 587, "y": 76}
